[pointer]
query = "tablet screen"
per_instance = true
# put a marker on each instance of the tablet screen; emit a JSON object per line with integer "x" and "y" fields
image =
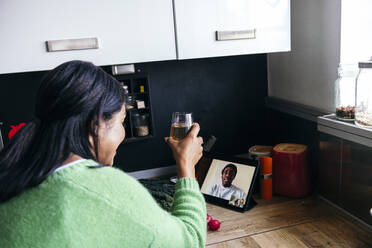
{"x": 229, "y": 181}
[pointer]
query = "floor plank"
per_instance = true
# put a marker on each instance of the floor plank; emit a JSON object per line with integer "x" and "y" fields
{"x": 288, "y": 223}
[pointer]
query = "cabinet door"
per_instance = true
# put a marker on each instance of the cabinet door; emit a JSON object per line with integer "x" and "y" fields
{"x": 329, "y": 167}
{"x": 356, "y": 182}
{"x": 127, "y": 32}
{"x": 197, "y": 22}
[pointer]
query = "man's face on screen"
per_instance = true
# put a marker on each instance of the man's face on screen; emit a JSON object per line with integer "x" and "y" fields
{"x": 228, "y": 176}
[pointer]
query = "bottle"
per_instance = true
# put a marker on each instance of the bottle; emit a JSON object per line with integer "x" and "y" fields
{"x": 129, "y": 104}
{"x": 266, "y": 179}
{"x": 345, "y": 92}
{"x": 363, "y": 95}
{"x": 125, "y": 87}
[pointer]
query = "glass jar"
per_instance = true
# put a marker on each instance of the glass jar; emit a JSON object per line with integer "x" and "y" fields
{"x": 131, "y": 101}
{"x": 363, "y": 103}
{"x": 345, "y": 92}
{"x": 140, "y": 124}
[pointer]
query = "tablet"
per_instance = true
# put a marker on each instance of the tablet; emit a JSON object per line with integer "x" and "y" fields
{"x": 228, "y": 181}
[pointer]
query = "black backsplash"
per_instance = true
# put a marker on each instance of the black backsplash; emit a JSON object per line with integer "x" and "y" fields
{"x": 225, "y": 94}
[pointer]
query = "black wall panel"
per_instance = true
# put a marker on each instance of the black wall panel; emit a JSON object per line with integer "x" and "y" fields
{"x": 226, "y": 95}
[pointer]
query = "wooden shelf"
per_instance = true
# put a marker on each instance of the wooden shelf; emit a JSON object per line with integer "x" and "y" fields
{"x": 136, "y": 109}
{"x": 138, "y": 93}
{"x": 135, "y": 139}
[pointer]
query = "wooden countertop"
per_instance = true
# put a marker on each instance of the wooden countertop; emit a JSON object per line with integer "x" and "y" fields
{"x": 285, "y": 222}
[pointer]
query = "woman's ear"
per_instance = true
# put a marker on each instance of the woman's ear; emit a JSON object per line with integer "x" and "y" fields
{"x": 91, "y": 141}
{"x": 93, "y": 135}
{"x": 94, "y": 125}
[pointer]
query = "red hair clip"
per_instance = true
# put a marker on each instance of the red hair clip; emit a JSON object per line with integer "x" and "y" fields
{"x": 15, "y": 129}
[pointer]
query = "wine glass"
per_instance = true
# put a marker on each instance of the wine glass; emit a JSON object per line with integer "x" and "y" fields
{"x": 181, "y": 124}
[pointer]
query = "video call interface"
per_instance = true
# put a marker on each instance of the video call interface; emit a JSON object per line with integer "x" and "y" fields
{"x": 229, "y": 181}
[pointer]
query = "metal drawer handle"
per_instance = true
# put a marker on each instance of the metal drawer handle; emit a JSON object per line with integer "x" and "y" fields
{"x": 123, "y": 69}
{"x": 71, "y": 44}
{"x": 236, "y": 35}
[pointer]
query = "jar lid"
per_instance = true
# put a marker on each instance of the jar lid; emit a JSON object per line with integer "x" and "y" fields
{"x": 347, "y": 70}
{"x": 260, "y": 150}
{"x": 366, "y": 64}
{"x": 290, "y": 148}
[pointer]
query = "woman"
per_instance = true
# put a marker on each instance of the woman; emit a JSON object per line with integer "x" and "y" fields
{"x": 55, "y": 191}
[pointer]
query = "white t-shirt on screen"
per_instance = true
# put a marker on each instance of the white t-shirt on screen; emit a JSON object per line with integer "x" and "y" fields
{"x": 220, "y": 191}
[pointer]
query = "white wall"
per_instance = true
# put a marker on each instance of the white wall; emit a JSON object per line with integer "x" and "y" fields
{"x": 306, "y": 75}
{"x": 356, "y": 35}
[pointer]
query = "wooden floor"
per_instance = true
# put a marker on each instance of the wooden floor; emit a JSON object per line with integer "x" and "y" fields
{"x": 283, "y": 222}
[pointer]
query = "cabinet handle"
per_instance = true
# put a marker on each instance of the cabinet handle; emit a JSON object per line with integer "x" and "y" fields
{"x": 236, "y": 35}
{"x": 71, "y": 44}
{"x": 122, "y": 69}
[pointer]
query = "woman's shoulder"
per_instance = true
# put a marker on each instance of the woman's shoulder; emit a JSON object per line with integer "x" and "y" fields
{"x": 100, "y": 181}
{"x": 89, "y": 170}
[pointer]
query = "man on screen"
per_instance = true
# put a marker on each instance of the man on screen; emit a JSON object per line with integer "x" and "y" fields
{"x": 226, "y": 189}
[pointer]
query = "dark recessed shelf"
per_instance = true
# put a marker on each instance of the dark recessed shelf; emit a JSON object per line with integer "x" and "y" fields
{"x": 138, "y": 93}
{"x": 138, "y": 82}
{"x": 135, "y": 139}
{"x": 137, "y": 109}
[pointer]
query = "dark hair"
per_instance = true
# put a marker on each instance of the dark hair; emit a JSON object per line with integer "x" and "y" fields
{"x": 71, "y": 101}
{"x": 232, "y": 166}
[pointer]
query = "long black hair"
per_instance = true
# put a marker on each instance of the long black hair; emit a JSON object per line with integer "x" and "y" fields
{"x": 71, "y": 101}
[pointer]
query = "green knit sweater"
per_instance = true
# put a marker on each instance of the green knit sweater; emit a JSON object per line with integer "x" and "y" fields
{"x": 102, "y": 207}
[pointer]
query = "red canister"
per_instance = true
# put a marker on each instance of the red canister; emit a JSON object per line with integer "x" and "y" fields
{"x": 291, "y": 175}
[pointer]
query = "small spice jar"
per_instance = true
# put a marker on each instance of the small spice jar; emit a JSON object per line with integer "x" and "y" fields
{"x": 131, "y": 101}
{"x": 140, "y": 124}
{"x": 345, "y": 92}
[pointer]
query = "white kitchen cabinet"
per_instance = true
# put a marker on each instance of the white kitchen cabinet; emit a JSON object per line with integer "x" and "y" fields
{"x": 127, "y": 32}
{"x": 198, "y": 20}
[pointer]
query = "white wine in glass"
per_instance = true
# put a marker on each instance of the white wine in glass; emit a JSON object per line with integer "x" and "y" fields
{"x": 181, "y": 124}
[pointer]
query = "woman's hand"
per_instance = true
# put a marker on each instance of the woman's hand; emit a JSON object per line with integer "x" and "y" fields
{"x": 187, "y": 151}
